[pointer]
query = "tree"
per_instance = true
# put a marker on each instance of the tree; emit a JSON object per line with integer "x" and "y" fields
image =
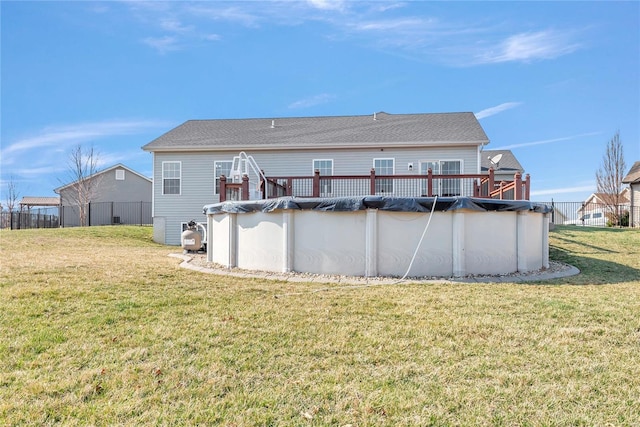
{"x": 609, "y": 178}
{"x": 82, "y": 165}
{"x": 11, "y": 199}
{"x": 12, "y": 195}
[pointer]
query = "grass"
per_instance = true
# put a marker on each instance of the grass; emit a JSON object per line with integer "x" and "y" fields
{"x": 99, "y": 326}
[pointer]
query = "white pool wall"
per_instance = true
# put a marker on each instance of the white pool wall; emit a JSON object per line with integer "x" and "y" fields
{"x": 375, "y": 242}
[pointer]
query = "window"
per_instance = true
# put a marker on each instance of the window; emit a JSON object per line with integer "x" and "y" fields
{"x": 221, "y": 167}
{"x": 451, "y": 187}
{"x": 171, "y": 177}
{"x": 119, "y": 174}
{"x": 424, "y": 169}
{"x": 447, "y": 186}
{"x": 384, "y": 167}
{"x": 325, "y": 167}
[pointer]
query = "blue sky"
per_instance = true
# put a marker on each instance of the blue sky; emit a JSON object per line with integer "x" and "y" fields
{"x": 552, "y": 81}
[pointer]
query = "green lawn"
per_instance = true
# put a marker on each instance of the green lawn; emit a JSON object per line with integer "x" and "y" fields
{"x": 99, "y": 326}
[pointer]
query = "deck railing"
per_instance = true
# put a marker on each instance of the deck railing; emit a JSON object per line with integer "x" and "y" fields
{"x": 427, "y": 185}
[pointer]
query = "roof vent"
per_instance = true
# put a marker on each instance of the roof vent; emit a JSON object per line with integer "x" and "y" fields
{"x": 273, "y": 124}
{"x": 374, "y": 116}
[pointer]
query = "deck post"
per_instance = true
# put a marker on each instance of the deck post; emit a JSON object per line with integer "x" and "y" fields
{"x": 289, "y": 186}
{"x": 223, "y": 188}
{"x": 527, "y": 187}
{"x": 429, "y": 182}
{"x": 517, "y": 191}
{"x": 492, "y": 182}
{"x": 372, "y": 182}
{"x": 316, "y": 183}
{"x": 245, "y": 187}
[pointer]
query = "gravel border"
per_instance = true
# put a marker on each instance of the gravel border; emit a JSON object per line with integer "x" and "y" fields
{"x": 198, "y": 262}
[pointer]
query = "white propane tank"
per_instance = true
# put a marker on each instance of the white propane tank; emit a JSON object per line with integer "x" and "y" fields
{"x": 190, "y": 238}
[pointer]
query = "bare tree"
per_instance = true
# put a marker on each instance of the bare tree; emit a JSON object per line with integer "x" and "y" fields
{"x": 609, "y": 178}
{"x": 12, "y": 195}
{"x": 11, "y": 199}
{"x": 82, "y": 165}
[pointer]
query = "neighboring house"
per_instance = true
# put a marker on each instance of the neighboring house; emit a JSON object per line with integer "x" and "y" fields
{"x": 597, "y": 210}
{"x": 189, "y": 161}
{"x": 503, "y": 162}
{"x": 633, "y": 179}
{"x": 119, "y": 195}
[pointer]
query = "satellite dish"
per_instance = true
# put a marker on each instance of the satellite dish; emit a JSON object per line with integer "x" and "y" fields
{"x": 495, "y": 160}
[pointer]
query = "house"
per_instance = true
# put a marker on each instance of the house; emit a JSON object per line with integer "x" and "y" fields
{"x": 118, "y": 195}
{"x": 191, "y": 161}
{"x": 599, "y": 209}
{"x": 633, "y": 179}
{"x": 503, "y": 162}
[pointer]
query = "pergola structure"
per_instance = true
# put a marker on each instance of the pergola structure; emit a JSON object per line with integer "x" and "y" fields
{"x": 30, "y": 202}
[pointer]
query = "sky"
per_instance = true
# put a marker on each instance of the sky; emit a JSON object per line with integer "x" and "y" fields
{"x": 551, "y": 81}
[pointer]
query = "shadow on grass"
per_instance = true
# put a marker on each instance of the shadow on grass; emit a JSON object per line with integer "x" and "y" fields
{"x": 593, "y": 271}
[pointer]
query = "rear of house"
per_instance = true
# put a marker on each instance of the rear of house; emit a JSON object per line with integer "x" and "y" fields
{"x": 189, "y": 160}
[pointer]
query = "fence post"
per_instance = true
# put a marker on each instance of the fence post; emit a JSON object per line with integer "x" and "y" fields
{"x": 223, "y": 188}
{"x": 245, "y": 187}
{"x": 372, "y": 182}
{"x": 89, "y": 215}
{"x": 429, "y": 182}
{"x": 316, "y": 183}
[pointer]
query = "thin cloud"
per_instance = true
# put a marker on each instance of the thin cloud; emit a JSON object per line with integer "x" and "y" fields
{"x": 162, "y": 44}
{"x": 57, "y": 136}
{"x": 327, "y": 4}
{"x": 390, "y": 27}
{"x": 323, "y": 98}
{"x": 546, "y": 141}
{"x": 528, "y": 47}
{"x": 492, "y": 111}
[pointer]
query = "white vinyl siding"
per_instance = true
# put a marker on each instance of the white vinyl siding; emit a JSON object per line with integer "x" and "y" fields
{"x": 197, "y": 174}
{"x": 384, "y": 167}
{"x": 220, "y": 168}
{"x": 171, "y": 177}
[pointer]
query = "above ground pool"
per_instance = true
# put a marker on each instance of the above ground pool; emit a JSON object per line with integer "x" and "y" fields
{"x": 380, "y": 236}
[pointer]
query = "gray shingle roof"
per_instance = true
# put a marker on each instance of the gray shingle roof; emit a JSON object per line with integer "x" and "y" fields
{"x": 40, "y": 201}
{"x": 633, "y": 177}
{"x": 313, "y": 132}
{"x": 508, "y": 162}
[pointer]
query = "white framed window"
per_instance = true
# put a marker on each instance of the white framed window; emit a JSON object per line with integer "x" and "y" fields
{"x": 119, "y": 174}
{"x": 384, "y": 167}
{"x": 325, "y": 167}
{"x": 443, "y": 187}
{"x": 221, "y": 167}
{"x": 171, "y": 177}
